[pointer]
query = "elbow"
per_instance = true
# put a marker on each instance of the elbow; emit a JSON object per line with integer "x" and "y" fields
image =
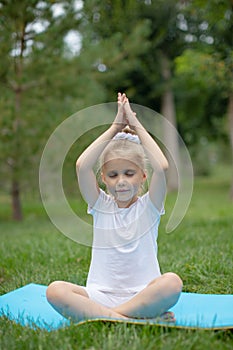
{"x": 165, "y": 165}
{"x": 162, "y": 164}
{"x": 161, "y": 167}
{"x": 79, "y": 165}
{"x": 82, "y": 166}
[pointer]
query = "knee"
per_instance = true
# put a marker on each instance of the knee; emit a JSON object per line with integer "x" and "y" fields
{"x": 55, "y": 291}
{"x": 174, "y": 282}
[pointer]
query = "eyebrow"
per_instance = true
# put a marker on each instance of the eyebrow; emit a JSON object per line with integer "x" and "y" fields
{"x": 112, "y": 172}
{"x": 130, "y": 171}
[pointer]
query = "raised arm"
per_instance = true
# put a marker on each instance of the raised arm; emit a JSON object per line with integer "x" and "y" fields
{"x": 85, "y": 163}
{"x": 158, "y": 161}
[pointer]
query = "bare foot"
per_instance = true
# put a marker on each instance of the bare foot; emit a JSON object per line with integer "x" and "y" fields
{"x": 167, "y": 317}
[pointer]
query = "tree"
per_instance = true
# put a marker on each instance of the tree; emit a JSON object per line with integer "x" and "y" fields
{"x": 143, "y": 67}
{"x": 209, "y": 29}
{"x": 32, "y": 49}
{"x": 42, "y": 82}
{"x": 167, "y": 43}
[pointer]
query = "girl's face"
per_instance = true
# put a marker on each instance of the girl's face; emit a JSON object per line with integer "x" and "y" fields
{"x": 123, "y": 179}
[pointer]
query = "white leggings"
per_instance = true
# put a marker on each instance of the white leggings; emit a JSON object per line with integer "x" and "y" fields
{"x": 108, "y": 299}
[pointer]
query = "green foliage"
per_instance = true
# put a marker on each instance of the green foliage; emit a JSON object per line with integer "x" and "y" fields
{"x": 201, "y": 69}
{"x": 123, "y": 44}
{"x": 203, "y": 77}
{"x": 40, "y": 84}
{"x": 200, "y": 82}
{"x": 137, "y": 69}
{"x": 210, "y": 25}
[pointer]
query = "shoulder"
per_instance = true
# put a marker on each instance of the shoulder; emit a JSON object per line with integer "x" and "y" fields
{"x": 146, "y": 201}
{"x": 104, "y": 203}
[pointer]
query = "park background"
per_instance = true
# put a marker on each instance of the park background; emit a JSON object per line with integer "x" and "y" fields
{"x": 59, "y": 57}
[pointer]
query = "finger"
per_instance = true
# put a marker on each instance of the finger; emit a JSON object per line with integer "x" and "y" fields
{"x": 119, "y": 101}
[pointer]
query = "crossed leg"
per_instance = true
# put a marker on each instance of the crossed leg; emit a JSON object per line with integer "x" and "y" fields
{"x": 72, "y": 301}
{"x": 154, "y": 300}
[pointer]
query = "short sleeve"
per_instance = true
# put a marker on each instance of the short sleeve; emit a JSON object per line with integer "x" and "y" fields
{"x": 102, "y": 204}
{"x": 159, "y": 212}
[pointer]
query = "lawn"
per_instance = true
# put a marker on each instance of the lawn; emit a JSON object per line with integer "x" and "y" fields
{"x": 199, "y": 250}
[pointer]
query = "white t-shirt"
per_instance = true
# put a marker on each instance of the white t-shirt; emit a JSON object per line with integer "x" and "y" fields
{"x": 124, "y": 253}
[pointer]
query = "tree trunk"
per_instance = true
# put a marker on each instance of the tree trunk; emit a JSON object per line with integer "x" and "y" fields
{"x": 18, "y": 91}
{"x": 16, "y": 203}
{"x": 230, "y": 118}
{"x": 15, "y": 185}
{"x": 170, "y": 136}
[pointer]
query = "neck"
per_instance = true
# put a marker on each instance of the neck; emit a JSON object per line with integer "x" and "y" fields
{"x": 122, "y": 204}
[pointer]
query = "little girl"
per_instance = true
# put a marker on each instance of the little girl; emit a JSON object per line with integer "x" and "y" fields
{"x": 124, "y": 279}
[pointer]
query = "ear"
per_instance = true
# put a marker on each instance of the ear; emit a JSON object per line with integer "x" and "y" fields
{"x": 103, "y": 178}
{"x": 144, "y": 176}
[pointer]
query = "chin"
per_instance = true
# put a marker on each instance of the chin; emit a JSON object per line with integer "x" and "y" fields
{"x": 124, "y": 197}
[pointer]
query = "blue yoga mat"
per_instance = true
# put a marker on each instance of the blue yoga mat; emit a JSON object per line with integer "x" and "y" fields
{"x": 29, "y": 307}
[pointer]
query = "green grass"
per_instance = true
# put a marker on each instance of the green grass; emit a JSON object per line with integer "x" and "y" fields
{"x": 199, "y": 250}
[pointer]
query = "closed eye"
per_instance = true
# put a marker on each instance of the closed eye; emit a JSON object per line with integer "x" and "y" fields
{"x": 130, "y": 173}
{"x": 112, "y": 174}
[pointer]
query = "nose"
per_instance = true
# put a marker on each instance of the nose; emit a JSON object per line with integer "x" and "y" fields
{"x": 121, "y": 181}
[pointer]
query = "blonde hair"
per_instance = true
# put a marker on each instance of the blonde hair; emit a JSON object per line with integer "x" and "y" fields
{"x": 126, "y": 149}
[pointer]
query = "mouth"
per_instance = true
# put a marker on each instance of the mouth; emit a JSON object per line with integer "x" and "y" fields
{"x": 122, "y": 191}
